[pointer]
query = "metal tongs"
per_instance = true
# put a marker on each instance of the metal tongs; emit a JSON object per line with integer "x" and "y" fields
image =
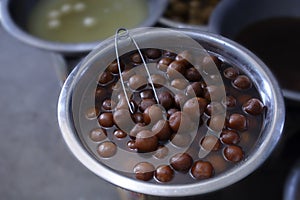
{"x": 123, "y": 33}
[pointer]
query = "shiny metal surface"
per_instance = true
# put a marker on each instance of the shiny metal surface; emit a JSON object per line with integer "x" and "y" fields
{"x": 173, "y": 24}
{"x": 235, "y": 54}
{"x": 13, "y": 15}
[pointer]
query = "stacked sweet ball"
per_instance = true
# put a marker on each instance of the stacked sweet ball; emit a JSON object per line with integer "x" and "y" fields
{"x": 226, "y": 127}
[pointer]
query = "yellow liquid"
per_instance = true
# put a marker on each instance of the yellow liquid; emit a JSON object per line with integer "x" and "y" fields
{"x": 75, "y": 21}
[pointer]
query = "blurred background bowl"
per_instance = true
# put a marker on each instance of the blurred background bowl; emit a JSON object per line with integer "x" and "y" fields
{"x": 232, "y": 17}
{"x": 14, "y": 15}
{"x": 190, "y": 14}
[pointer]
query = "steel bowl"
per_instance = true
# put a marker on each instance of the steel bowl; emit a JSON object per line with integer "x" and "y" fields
{"x": 231, "y": 16}
{"x": 84, "y": 74}
{"x": 173, "y": 24}
{"x": 14, "y": 15}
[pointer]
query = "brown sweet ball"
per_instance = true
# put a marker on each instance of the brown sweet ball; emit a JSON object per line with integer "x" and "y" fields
{"x": 164, "y": 63}
{"x": 231, "y": 73}
{"x": 242, "y": 82}
{"x": 202, "y": 170}
{"x": 136, "y": 58}
{"x": 194, "y": 89}
{"x": 137, "y": 81}
{"x": 253, "y": 106}
{"x": 152, "y": 114}
{"x": 162, "y": 130}
{"x": 145, "y": 103}
{"x": 192, "y": 74}
{"x": 147, "y": 94}
{"x": 106, "y": 119}
{"x": 194, "y": 107}
{"x": 164, "y": 173}
{"x": 230, "y": 137}
{"x": 177, "y": 69}
{"x": 131, "y": 145}
{"x": 237, "y": 122}
{"x": 98, "y": 134}
{"x": 184, "y": 55}
{"x": 144, "y": 171}
{"x": 210, "y": 63}
{"x": 113, "y": 67}
{"x": 214, "y": 108}
{"x": 210, "y": 143}
{"x": 120, "y": 134}
{"x": 233, "y": 153}
{"x": 180, "y": 99}
{"x": 174, "y": 121}
{"x": 138, "y": 118}
{"x": 108, "y": 105}
{"x": 179, "y": 83}
{"x": 166, "y": 99}
{"x": 180, "y": 120}
{"x": 171, "y": 111}
{"x": 105, "y": 78}
{"x": 202, "y": 104}
{"x": 229, "y": 101}
{"x": 146, "y": 141}
{"x": 181, "y": 162}
{"x": 107, "y": 149}
{"x": 121, "y": 117}
{"x": 153, "y": 53}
